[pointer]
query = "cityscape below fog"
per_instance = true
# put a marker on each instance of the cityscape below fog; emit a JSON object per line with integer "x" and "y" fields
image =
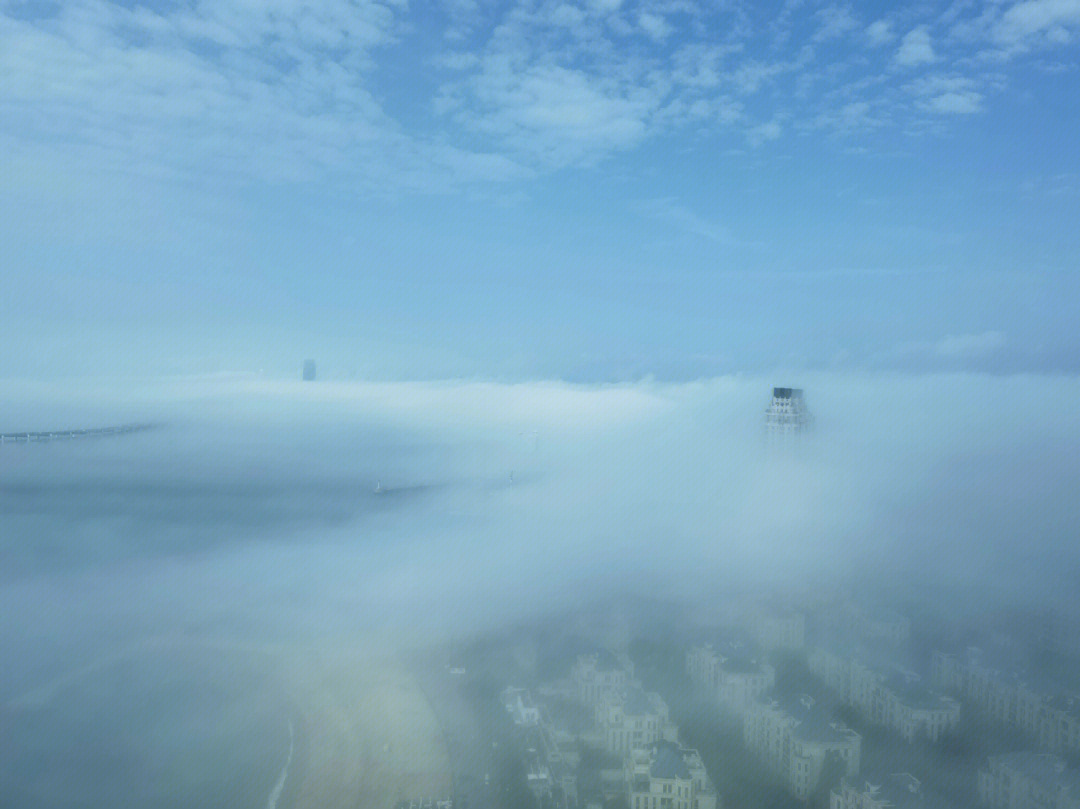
{"x": 785, "y": 699}
{"x": 539, "y": 404}
{"x": 863, "y": 691}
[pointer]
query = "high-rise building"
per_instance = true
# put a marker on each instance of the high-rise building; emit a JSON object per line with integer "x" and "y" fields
{"x": 309, "y": 370}
{"x": 787, "y": 415}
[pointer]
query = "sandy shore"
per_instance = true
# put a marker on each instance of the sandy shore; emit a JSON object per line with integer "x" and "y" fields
{"x": 365, "y": 734}
{"x": 370, "y": 737}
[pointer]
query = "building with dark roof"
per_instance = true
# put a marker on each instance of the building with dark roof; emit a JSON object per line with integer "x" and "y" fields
{"x": 885, "y": 694}
{"x": 667, "y": 775}
{"x": 730, "y": 673}
{"x": 600, "y": 676}
{"x": 521, "y": 706}
{"x": 796, "y": 738}
{"x": 1002, "y": 690}
{"x": 892, "y": 791}
{"x": 1028, "y": 780}
{"x": 786, "y": 417}
{"x": 633, "y": 719}
{"x": 774, "y": 627}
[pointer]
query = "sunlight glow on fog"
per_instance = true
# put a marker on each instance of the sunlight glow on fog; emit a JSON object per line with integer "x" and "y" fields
{"x": 646, "y": 487}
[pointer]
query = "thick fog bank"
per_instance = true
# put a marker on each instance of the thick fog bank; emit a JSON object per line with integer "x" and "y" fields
{"x": 280, "y": 509}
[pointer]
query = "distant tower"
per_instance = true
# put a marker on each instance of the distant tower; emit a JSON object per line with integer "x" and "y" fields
{"x": 309, "y": 370}
{"x": 787, "y": 416}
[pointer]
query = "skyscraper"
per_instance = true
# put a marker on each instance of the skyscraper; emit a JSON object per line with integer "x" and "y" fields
{"x": 309, "y": 370}
{"x": 787, "y": 416}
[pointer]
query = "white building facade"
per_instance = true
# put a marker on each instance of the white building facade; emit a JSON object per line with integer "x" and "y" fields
{"x": 786, "y": 417}
{"x": 1052, "y": 721}
{"x": 894, "y": 791}
{"x": 895, "y": 699}
{"x": 734, "y": 679}
{"x": 667, "y": 776}
{"x": 1027, "y": 780}
{"x": 634, "y": 719}
{"x": 795, "y": 739}
{"x": 601, "y": 676}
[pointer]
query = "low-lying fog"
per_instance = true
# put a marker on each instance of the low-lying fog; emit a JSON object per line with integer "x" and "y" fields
{"x": 280, "y": 507}
{"x": 268, "y": 515}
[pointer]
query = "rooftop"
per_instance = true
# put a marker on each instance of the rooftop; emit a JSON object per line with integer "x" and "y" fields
{"x": 914, "y": 694}
{"x": 1043, "y": 768}
{"x": 898, "y": 790}
{"x": 812, "y": 722}
{"x": 668, "y": 762}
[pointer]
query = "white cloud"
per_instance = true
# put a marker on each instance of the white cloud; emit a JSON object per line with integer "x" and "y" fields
{"x": 751, "y": 75}
{"x": 555, "y": 115}
{"x": 457, "y": 60}
{"x": 284, "y": 92}
{"x": 699, "y": 64}
{"x": 762, "y": 133}
{"x": 1051, "y": 19}
{"x": 855, "y": 116}
{"x": 970, "y": 346}
{"x": 655, "y": 26}
{"x": 220, "y": 90}
{"x": 947, "y": 94}
{"x": 567, "y": 16}
{"x": 957, "y": 103}
{"x": 915, "y": 48}
{"x": 605, "y": 6}
{"x": 833, "y": 22}
{"x": 670, "y": 210}
{"x": 879, "y": 33}
{"x": 624, "y": 485}
{"x": 956, "y": 347}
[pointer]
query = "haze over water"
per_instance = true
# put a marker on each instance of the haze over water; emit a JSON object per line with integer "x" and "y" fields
{"x": 548, "y": 260}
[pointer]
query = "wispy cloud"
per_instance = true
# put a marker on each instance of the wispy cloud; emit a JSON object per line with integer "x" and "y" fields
{"x": 915, "y": 48}
{"x": 879, "y": 33}
{"x": 669, "y": 210}
{"x": 1051, "y": 21}
{"x": 287, "y": 93}
{"x": 958, "y": 348}
{"x": 763, "y": 133}
{"x": 947, "y": 94}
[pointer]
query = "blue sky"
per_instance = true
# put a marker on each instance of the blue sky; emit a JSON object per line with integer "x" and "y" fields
{"x": 592, "y": 191}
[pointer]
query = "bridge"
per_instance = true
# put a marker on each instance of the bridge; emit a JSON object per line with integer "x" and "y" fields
{"x": 64, "y": 435}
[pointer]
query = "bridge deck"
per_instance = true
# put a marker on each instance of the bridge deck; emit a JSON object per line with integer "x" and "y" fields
{"x": 61, "y": 435}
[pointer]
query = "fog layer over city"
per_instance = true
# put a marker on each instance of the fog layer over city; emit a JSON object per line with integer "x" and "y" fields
{"x": 308, "y": 508}
{"x": 261, "y": 520}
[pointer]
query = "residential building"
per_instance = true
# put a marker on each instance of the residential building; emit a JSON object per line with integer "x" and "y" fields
{"x": 667, "y": 776}
{"x": 600, "y": 676}
{"x": 519, "y": 704}
{"x": 893, "y": 791}
{"x": 729, "y": 672}
{"x": 786, "y": 417}
{"x": 796, "y": 738}
{"x": 1028, "y": 780}
{"x": 633, "y": 719}
{"x": 886, "y": 695}
{"x": 846, "y": 617}
{"x": 880, "y": 623}
{"x": 778, "y": 628}
{"x": 1004, "y": 694}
